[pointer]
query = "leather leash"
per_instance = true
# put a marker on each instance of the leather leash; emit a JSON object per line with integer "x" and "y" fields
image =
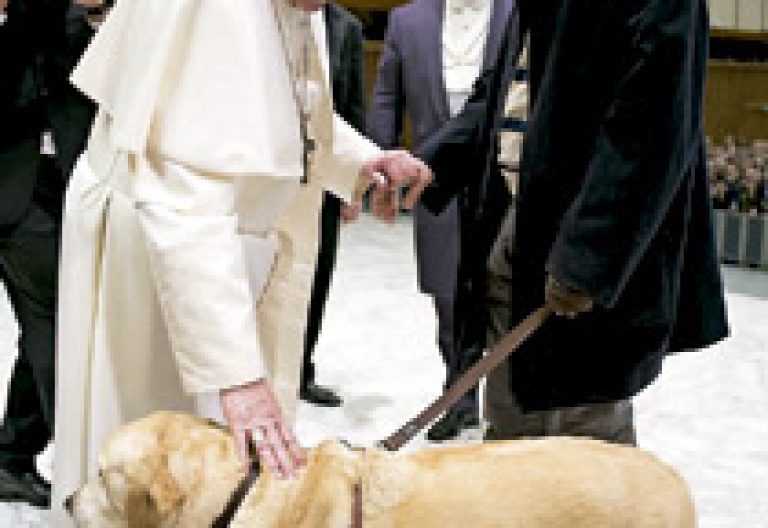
{"x": 505, "y": 346}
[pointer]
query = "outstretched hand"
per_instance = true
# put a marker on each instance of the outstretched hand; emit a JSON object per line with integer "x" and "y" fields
{"x": 254, "y": 416}
{"x": 391, "y": 172}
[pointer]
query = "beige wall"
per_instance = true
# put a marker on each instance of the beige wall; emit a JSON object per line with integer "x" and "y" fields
{"x": 723, "y": 13}
{"x": 765, "y": 15}
{"x": 744, "y": 15}
{"x": 750, "y": 15}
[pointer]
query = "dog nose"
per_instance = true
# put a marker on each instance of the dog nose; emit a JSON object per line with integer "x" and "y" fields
{"x": 69, "y": 504}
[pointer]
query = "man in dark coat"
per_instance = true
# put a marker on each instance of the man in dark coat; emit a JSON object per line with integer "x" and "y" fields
{"x": 345, "y": 50}
{"x": 45, "y": 37}
{"x": 412, "y": 78}
{"x": 613, "y": 226}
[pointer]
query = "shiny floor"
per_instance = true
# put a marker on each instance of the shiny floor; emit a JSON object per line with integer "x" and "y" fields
{"x": 707, "y": 415}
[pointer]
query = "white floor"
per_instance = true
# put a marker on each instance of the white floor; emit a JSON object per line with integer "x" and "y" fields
{"x": 707, "y": 415}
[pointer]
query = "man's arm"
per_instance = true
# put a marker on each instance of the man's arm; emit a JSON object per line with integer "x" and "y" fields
{"x": 463, "y": 146}
{"x": 385, "y": 116}
{"x": 199, "y": 268}
{"x": 640, "y": 158}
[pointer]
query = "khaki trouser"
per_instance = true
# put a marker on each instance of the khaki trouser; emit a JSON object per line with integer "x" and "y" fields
{"x": 611, "y": 421}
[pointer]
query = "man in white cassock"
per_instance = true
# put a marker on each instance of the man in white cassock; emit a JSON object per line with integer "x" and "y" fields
{"x": 189, "y": 239}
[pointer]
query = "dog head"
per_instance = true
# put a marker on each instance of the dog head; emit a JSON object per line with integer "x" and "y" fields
{"x": 163, "y": 471}
{"x": 170, "y": 470}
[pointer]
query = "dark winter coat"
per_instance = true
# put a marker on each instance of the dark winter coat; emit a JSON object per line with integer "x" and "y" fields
{"x": 614, "y": 199}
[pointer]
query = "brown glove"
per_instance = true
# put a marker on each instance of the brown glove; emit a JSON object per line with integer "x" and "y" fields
{"x": 564, "y": 301}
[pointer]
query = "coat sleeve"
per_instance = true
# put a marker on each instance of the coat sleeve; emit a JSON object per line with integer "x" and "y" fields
{"x": 199, "y": 268}
{"x": 462, "y": 148}
{"x": 385, "y": 115}
{"x": 643, "y": 148}
{"x": 341, "y": 171}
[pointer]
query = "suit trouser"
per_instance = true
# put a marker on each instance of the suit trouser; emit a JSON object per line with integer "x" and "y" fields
{"x": 458, "y": 359}
{"x": 326, "y": 261}
{"x": 438, "y": 241}
{"x": 610, "y": 421}
{"x": 28, "y": 269}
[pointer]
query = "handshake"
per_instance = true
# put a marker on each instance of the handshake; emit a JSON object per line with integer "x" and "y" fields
{"x": 389, "y": 173}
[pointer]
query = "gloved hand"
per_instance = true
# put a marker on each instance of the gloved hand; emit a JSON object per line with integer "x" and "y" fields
{"x": 564, "y": 301}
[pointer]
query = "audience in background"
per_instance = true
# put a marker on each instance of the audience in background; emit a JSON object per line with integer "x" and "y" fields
{"x": 738, "y": 176}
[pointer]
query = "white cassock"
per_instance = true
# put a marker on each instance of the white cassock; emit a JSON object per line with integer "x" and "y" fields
{"x": 189, "y": 244}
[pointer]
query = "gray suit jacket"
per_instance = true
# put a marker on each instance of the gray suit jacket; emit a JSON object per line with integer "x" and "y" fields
{"x": 410, "y": 80}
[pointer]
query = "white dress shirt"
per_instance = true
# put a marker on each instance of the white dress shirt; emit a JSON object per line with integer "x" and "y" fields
{"x": 465, "y": 32}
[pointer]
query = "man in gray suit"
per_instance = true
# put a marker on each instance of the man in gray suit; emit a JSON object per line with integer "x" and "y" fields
{"x": 434, "y": 51}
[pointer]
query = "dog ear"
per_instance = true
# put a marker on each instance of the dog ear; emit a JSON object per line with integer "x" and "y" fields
{"x": 164, "y": 491}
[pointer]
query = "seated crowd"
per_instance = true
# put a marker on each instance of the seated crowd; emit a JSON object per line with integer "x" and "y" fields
{"x": 738, "y": 176}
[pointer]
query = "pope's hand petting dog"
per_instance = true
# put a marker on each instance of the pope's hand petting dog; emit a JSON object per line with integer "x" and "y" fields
{"x": 564, "y": 301}
{"x": 254, "y": 416}
{"x": 399, "y": 169}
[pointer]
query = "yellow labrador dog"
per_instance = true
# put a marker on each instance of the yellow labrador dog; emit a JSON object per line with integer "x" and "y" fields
{"x": 171, "y": 470}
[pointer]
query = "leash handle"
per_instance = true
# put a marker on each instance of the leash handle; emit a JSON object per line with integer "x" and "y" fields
{"x": 505, "y": 346}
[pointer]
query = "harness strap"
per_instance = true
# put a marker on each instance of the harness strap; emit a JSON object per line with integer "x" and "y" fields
{"x": 357, "y": 505}
{"x": 237, "y": 499}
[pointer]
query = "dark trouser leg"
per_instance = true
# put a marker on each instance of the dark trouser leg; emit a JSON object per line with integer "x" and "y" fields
{"x": 326, "y": 261}
{"x": 466, "y": 357}
{"x": 457, "y": 359}
{"x": 28, "y": 259}
{"x": 610, "y": 421}
{"x": 445, "y": 335}
{"x": 464, "y": 413}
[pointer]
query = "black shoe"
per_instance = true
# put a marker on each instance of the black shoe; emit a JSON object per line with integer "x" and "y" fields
{"x": 319, "y": 395}
{"x": 24, "y": 486}
{"x": 451, "y": 425}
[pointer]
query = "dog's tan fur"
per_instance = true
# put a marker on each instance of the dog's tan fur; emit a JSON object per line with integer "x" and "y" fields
{"x": 170, "y": 470}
